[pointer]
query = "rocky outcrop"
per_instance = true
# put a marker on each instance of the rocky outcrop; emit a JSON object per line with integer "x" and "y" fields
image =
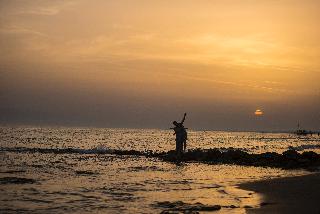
{"x": 289, "y": 159}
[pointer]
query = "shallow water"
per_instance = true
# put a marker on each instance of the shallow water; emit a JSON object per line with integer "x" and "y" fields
{"x": 88, "y": 181}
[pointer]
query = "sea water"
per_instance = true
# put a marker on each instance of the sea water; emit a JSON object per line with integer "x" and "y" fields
{"x": 36, "y": 178}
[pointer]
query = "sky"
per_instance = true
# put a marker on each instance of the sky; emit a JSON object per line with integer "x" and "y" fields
{"x": 230, "y": 64}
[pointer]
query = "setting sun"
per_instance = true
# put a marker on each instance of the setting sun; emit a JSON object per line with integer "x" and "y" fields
{"x": 258, "y": 112}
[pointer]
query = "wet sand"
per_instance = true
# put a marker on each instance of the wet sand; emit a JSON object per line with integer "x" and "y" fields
{"x": 287, "y": 195}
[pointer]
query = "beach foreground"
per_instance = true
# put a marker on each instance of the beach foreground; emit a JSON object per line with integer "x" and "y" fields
{"x": 287, "y": 195}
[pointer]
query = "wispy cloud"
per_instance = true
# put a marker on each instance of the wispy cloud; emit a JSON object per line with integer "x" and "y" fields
{"x": 42, "y": 7}
{"x": 21, "y": 30}
{"x": 256, "y": 86}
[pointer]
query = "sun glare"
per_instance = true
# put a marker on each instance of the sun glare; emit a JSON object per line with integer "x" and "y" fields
{"x": 258, "y": 112}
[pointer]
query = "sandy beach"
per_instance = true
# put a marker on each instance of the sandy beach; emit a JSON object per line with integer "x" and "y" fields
{"x": 287, "y": 195}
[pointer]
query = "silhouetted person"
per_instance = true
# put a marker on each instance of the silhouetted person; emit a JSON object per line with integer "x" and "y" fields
{"x": 181, "y": 135}
{"x": 185, "y": 137}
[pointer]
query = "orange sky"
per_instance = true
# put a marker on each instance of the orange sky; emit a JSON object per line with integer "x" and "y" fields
{"x": 130, "y": 60}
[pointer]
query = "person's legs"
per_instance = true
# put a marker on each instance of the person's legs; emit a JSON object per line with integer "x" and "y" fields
{"x": 181, "y": 147}
{"x": 177, "y": 146}
{"x": 184, "y": 140}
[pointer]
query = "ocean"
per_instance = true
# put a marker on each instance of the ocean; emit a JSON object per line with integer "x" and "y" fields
{"x": 67, "y": 170}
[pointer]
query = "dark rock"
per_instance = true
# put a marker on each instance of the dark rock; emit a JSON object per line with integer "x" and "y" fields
{"x": 310, "y": 155}
{"x": 186, "y": 207}
{"x": 214, "y": 154}
{"x": 80, "y": 172}
{"x": 291, "y": 155}
{"x": 232, "y": 206}
{"x": 16, "y": 180}
{"x": 265, "y": 203}
{"x": 303, "y": 161}
{"x": 289, "y": 159}
{"x": 169, "y": 212}
{"x": 271, "y": 156}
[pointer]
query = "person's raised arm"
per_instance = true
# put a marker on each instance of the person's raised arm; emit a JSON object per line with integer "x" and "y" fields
{"x": 184, "y": 118}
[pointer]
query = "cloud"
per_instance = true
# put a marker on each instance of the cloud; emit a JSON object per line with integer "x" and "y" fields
{"x": 43, "y": 7}
{"x": 21, "y": 30}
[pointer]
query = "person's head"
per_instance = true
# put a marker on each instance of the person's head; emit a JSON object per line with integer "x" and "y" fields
{"x": 175, "y": 123}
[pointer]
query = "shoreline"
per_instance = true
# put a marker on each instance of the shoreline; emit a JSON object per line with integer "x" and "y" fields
{"x": 298, "y": 194}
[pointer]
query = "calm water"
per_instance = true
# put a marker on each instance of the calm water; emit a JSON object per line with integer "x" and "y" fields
{"x": 85, "y": 181}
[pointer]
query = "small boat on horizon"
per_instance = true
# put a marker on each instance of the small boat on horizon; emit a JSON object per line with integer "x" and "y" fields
{"x": 302, "y": 132}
